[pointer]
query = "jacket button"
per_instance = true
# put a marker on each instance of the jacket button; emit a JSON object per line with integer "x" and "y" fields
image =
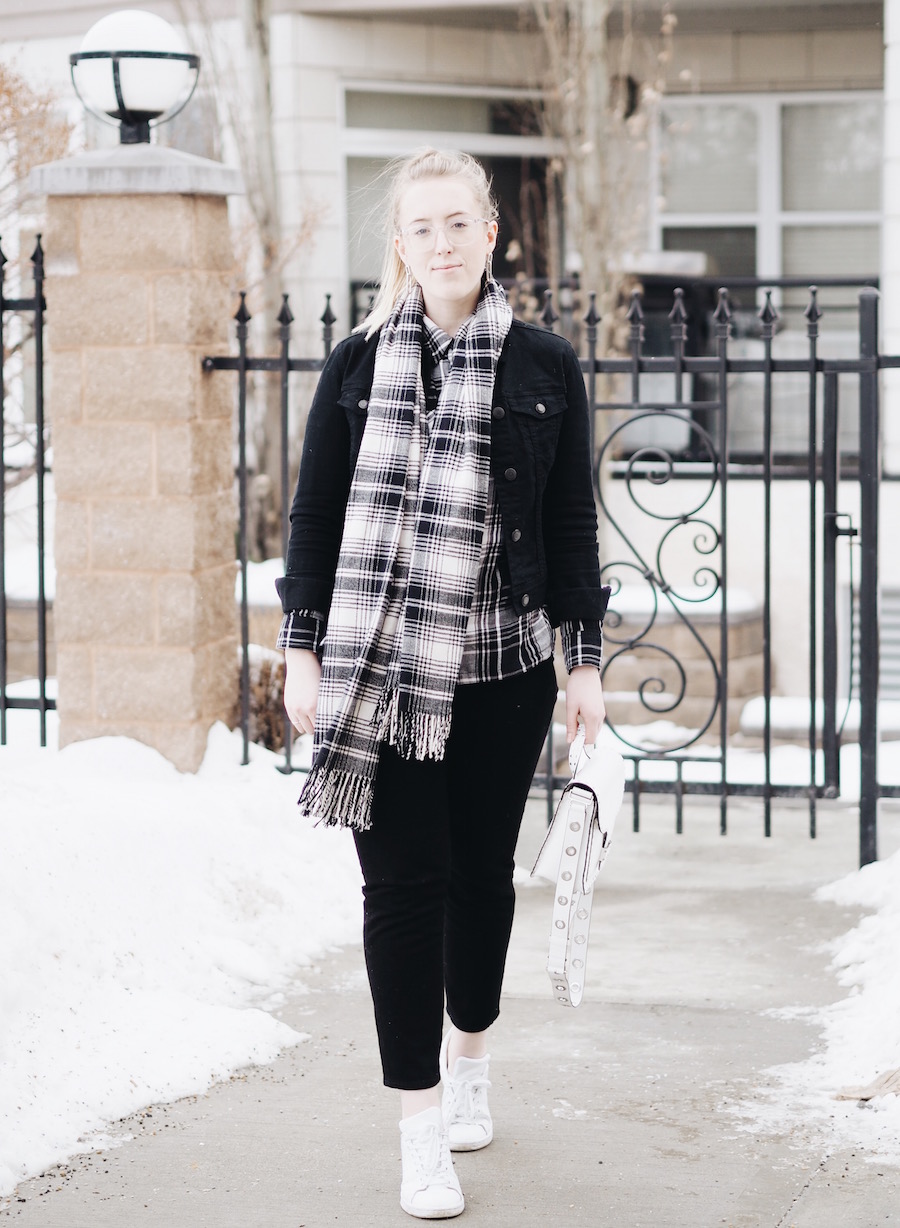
{"x": 510, "y": 474}
{"x": 498, "y": 412}
{"x": 526, "y": 601}
{"x": 363, "y": 404}
{"x": 540, "y": 408}
{"x": 516, "y": 535}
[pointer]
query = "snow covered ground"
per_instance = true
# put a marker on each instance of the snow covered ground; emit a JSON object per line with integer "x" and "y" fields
{"x": 150, "y": 922}
{"x": 153, "y": 922}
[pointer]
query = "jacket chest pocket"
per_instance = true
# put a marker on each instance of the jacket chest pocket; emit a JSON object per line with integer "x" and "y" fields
{"x": 536, "y": 419}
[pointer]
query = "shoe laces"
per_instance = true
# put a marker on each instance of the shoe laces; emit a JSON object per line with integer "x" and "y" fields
{"x": 468, "y": 1099}
{"x": 430, "y": 1156}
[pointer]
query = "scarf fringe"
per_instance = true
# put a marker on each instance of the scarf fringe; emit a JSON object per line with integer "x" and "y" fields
{"x": 337, "y": 798}
{"x": 414, "y": 735}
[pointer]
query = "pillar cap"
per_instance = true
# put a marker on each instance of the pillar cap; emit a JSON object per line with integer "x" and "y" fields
{"x": 128, "y": 170}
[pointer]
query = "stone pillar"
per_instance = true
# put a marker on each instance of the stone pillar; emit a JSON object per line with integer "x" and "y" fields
{"x": 890, "y": 235}
{"x": 138, "y": 257}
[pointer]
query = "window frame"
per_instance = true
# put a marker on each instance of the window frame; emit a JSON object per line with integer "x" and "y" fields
{"x": 768, "y": 217}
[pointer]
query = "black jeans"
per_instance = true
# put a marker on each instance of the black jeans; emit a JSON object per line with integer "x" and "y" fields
{"x": 438, "y": 864}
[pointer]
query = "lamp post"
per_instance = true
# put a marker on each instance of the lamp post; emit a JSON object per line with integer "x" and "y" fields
{"x": 133, "y": 70}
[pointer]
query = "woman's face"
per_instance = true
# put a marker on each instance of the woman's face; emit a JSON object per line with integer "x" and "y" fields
{"x": 449, "y": 274}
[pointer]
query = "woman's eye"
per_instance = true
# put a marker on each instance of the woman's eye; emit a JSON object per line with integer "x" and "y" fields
{"x": 422, "y": 232}
{"x": 459, "y": 227}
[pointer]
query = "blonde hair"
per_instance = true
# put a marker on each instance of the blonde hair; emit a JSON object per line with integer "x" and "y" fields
{"x": 424, "y": 164}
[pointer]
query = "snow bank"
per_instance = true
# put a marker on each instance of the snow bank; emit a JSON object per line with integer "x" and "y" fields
{"x": 150, "y": 922}
{"x": 860, "y": 1034}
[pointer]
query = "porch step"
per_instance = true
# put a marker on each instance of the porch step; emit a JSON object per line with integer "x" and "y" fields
{"x": 790, "y": 719}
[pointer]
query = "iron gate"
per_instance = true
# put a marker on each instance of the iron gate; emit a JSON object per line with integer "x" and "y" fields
{"x": 698, "y": 758}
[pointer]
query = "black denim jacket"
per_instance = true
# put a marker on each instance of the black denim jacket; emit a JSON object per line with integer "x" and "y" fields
{"x": 540, "y": 460}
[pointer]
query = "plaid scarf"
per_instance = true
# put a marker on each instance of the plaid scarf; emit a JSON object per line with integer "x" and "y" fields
{"x": 405, "y": 577}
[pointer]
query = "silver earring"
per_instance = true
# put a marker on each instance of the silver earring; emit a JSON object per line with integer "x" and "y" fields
{"x": 489, "y": 267}
{"x": 410, "y": 282}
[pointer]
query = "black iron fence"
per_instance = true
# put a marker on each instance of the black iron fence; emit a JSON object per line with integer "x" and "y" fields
{"x": 22, "y": 457}
{"x": 677, "y": 638}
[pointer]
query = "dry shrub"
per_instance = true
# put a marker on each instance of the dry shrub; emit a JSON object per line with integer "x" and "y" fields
{"x": 266, "y": 715}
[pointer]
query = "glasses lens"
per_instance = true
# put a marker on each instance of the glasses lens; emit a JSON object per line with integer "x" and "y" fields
{"x": 459, "y": 232}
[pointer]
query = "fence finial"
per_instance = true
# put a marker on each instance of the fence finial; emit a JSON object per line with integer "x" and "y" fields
{"x": 549, "y": 315}
{"x": 592, "y": 316}
{"x": 678, "y": 316}
{"x": 722, "y": 314}
{"x": 242, "y": 315}
{"x": 285, "y": 316}
{"x": 768, "y": 317}
{"x": 37, "y": 256}
{"x": 813, "y": 312}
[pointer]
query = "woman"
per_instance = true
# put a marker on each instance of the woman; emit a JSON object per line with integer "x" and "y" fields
{"x": 443, "y": 524}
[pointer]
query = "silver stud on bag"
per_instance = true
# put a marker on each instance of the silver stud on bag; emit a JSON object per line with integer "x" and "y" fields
{"x": 560, "y": 925}
{"x": 563, "y": 899}
{"x": 571, "y": 850}
{"x": 574, "y": 827}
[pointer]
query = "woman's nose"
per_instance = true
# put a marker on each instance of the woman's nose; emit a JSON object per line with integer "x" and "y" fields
{"x": 442, "y": 240}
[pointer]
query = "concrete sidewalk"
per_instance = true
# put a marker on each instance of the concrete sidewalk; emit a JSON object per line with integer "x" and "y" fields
{"x": 609, "y": 1115}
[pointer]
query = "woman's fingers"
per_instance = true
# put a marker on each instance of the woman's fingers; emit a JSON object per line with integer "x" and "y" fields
{"x": 302, "y": 675}
{"x": 584, "y": 702}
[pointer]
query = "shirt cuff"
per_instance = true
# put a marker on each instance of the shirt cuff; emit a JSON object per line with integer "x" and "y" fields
{"x": 582, "y": 643}
{"x": 301, "y": 629}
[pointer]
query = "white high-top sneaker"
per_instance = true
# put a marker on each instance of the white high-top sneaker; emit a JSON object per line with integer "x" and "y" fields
{"x": 464, "y": 1100}
{"x": 429, "y": 1188}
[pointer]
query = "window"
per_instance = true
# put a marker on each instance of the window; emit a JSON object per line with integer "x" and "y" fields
{"x": 776, "y": 186}
{"x": 799, "y": 173}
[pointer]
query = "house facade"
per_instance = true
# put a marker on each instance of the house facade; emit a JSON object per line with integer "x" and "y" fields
{"x": 772, "y": 151}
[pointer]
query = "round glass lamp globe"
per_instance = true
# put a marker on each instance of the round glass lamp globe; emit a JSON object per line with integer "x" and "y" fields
{"x": 149, "y": 86}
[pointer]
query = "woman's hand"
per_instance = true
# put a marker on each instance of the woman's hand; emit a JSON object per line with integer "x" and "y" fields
{"x": 302, "y": 672}
{"x": 584, "y": 702}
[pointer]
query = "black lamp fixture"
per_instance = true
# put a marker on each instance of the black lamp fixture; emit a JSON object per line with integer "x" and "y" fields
{"x": 132, "y": 70}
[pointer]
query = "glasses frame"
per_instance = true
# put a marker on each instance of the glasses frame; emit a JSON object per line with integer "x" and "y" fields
{"x": 405, "y": 231}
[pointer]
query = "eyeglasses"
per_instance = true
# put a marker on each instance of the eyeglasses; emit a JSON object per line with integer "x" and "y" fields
{"x": 460, "y": 232}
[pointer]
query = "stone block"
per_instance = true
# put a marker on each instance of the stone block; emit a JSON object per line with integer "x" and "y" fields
{"x": 105, "y": 608}
{"x": 111, "y": 460}
{"x": 144, "y": 684}
{"x": 195, "y": 610}
{"x": 216, "y": 680}
{"x": 215, "y": 527}
{"x": 453, "y": 54}
{"x": 316, "y": 93}
{"x": 72, "y": 537}
{"x": 136, "y": 232}
{"x": 75, "y": 680}
{"x": 143, "y": 535}
{"x": 772, "y": 60}
{"x": 65, "y": 387}
{"x": 700, "y": 61}
{"x": 847, "y": 58}
{"x": 192, "y": 309}
{"x": 60, "y": 239}
{"x": 97, "y": 309}
{"x": 217, "y": 391}
{"x": 212, "y": 235}
{"x": 194, "y": 459}
{"x": 514, "y": 56}
{"x": 155, "y": 384}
